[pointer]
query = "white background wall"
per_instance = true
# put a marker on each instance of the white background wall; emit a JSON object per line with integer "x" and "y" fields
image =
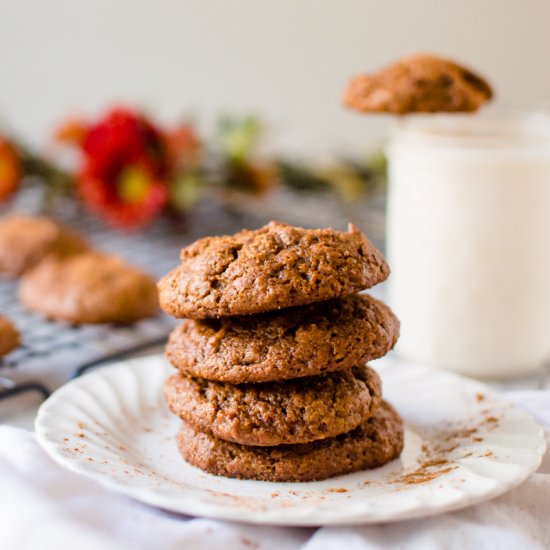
{"x": 287, "y": 59}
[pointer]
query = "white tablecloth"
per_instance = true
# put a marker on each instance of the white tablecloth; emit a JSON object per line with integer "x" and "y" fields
{"x": 43, "y": 506}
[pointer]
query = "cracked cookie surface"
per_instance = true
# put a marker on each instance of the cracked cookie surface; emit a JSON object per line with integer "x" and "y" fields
{"x": 274, "y": 267}
{"x": 281, "y": 345}
{"x": 372, "y": 444}
{"x": 296, "y": 411}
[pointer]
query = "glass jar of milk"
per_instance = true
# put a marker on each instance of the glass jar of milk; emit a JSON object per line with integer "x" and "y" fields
{"x": 468, "y": 241}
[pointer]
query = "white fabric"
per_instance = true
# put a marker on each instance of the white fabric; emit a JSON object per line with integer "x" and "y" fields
{"x": 43, "y": 506}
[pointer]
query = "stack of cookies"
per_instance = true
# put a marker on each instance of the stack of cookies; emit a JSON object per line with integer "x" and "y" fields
{"x": 272, "y": 382}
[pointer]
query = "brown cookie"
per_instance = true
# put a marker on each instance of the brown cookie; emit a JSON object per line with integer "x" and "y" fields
{"x": 370, "y": 445}
{"x": 280, "y": 345}
{"x": 26, "y": 240}
{"x": 274, "y": 267}
{"x": 89, "y": 288}
{"x": 9, "y": 336}
{"x": 420, "y": 84}
{"x": 296, "y": 411}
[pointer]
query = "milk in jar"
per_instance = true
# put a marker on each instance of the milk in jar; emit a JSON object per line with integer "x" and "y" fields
{"x": 468, "y": 241}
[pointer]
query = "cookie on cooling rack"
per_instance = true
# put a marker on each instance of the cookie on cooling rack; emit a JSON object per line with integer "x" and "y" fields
{"x": 89, "y": 288}
{"x": 9, "y": 336}
{"x": 26, "y": 240}
{"x": 274, "y": 267}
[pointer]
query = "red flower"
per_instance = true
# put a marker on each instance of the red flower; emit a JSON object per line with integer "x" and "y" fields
{"x": 10, "y": 168}
{"x": 126, "y": 170}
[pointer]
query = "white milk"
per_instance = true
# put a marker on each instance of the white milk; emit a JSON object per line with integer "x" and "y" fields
{"x": 469, "y": 242}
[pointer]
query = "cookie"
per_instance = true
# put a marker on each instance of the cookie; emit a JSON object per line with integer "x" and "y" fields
{"x": 301, "y": 341}
{"x": 420, "y": 84}
{"x": 296, "y": 411}
{"x": 274, "y": 267}
{"x": 89, "y": 288}
{"x": 25, "y": 240}
{"x": 9, "y": 336}
{"x": 370, "y": 445}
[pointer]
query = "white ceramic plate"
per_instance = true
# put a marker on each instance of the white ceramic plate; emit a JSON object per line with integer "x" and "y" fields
{"x": 463, "y": 444}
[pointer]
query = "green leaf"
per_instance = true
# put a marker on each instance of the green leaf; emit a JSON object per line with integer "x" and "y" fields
{"x": 239, "y": 136}
{"x": 186, "y": 190}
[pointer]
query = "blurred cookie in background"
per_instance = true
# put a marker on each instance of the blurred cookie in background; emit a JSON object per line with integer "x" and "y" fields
{"x": 9, "y": 336}
{"x": 89, "y": 288}
{"x": 26, "y": 240}
{"x": 422, "y": 83}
